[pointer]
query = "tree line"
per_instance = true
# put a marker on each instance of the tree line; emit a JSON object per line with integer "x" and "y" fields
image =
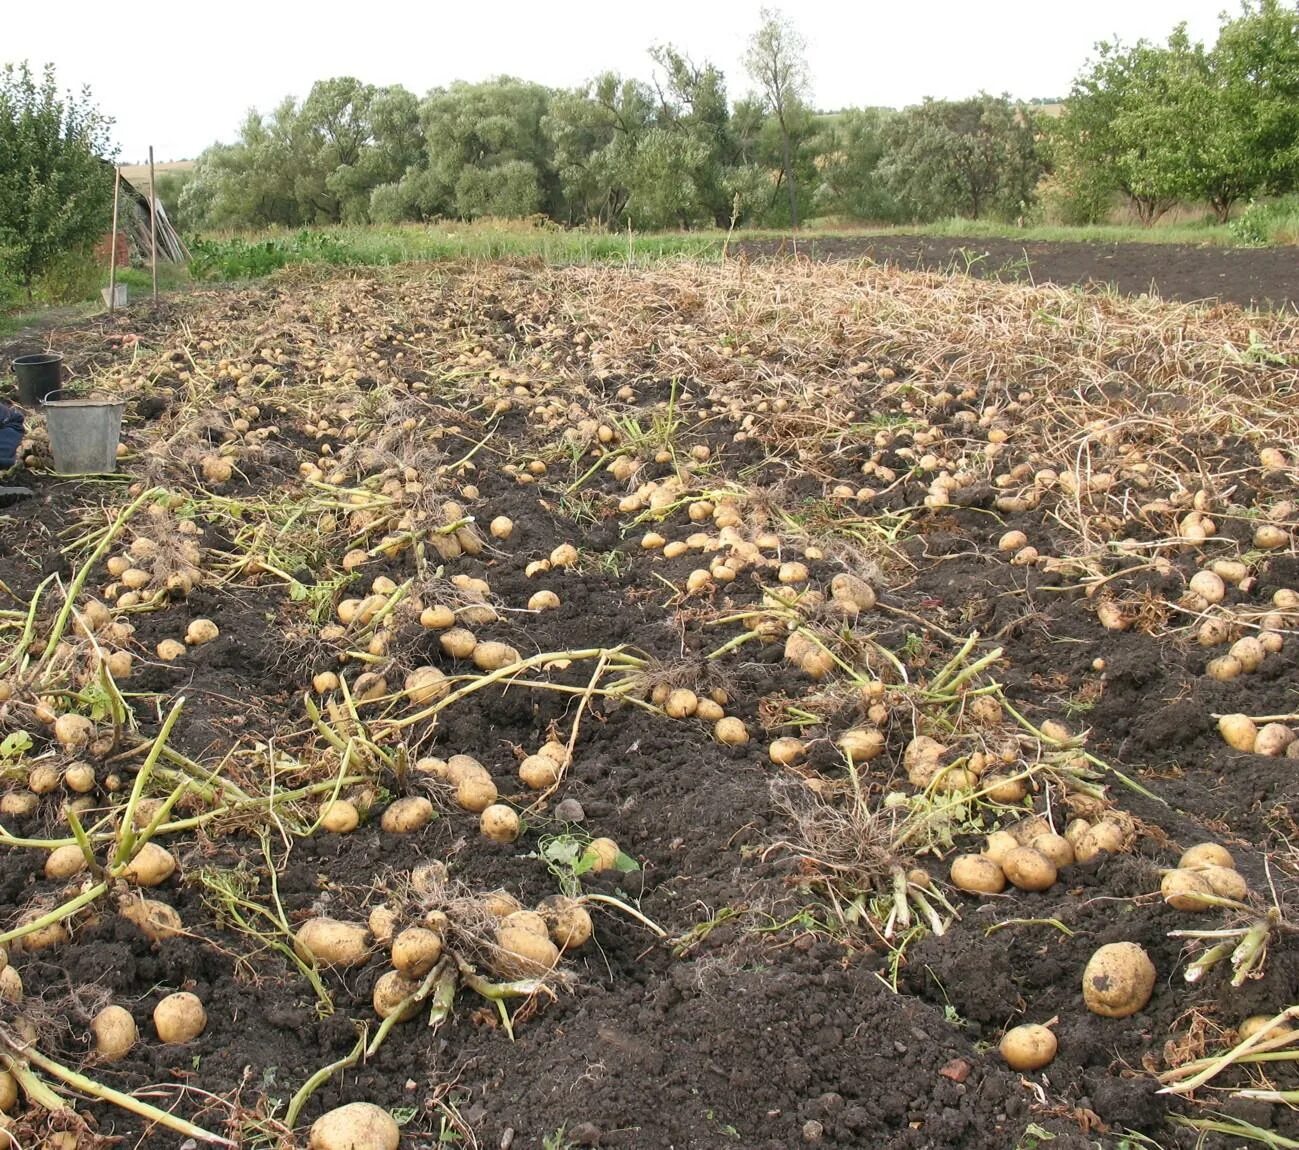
{"x": 1152, "y": 124}
{"x": 1155, "y": 124}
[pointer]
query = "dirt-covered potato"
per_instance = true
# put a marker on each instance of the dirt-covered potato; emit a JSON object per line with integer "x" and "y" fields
{"x": 356, "y": 1126}
{"x": 539, "y": 772}
{"x": 492, "y": 656}
{"x": 1028, "y": 1047}
{"x": 476, "y": 793}
{"x": 1205, "y": 854}
{"x": 416, "y": 951}
{"x": 499, "y": 823}
{"x": 331, "y": 942}
{"x": 1225, "y": 882}
{"x": 1029, "y": 869}
{"x": 200, "y": 631}
{"x": 730, "y": 732}
{"x": 339, "y": 816}
{"x": 1103, "y": 836}
{"x": 978, "y": 874}
{"x": 179, "y": 1017}
{"x": 426, "y": 685}
{"x": 155, "y": 920}
{"x": 999, "y": 844}
{"x": 461, "y": 767}
{"x": 390, "y": 993}
{"x": 114, "y": 1032}
{"x": 1186, "y": 890}
{"x": 1056, "y": 847}
{"x": 408, "y": 815}
{"x": 11, "y": 985}
{"x": 42, "y": 938}
{"x": 568, "y": 921}
{"x": 151, "y": 866}
{"x": 65, "y": 861}
{"x": 1118, "y": 980}
{"x": 521, "y": 952}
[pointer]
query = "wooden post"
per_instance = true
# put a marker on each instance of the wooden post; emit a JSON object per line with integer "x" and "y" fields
{"x": 153, "y": 228}
{"x": 112, "y": 251}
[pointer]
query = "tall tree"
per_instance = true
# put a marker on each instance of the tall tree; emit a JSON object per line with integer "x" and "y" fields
{"x": 1136, "y": 122}
{"x": 55, "y": 188}
{"x": 1250, "y": 132}
{"x": 776, "y": 62}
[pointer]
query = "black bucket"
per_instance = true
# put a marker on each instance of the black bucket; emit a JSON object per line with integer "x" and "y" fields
{"x": 38, "y": 375}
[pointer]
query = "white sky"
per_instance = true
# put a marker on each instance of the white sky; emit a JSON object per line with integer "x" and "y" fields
{"x": 182, "y": 74}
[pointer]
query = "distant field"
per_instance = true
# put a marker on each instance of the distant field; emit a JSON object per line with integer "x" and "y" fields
{"x": 136, "y": 172}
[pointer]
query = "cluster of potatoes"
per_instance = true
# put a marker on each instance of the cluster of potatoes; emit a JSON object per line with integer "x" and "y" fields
{"x": 685, "y": 703}
{"x": 1030, "y": 855}
{"x": 1118, "y": 981}
{"x": 1241, "y": 733}
{"x": 514, "y": 941}
{"x": 163, "y": 560}
{"x": 1203, "y": 874}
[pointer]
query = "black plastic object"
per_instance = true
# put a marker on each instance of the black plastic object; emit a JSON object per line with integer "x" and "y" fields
{"x": 38, "y": 375}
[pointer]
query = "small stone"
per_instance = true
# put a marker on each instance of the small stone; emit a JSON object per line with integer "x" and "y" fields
{"x": 958, "y": 1070}
{"x": 569, "y": 811}
{"x": 585, "y": 1134}
{"x": 812, "y": 1131}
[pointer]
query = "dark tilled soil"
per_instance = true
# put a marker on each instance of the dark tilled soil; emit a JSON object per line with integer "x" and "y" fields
{"x": 759, "y": 1032}
{"x": 1251, "y": 277}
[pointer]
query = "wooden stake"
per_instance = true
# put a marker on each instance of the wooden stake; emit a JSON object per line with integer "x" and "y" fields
{"x": 153, "y": 228}
{"x": 112, "y": 252}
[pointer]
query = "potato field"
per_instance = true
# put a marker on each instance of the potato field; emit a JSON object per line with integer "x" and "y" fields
{"x": 758, "y": 705}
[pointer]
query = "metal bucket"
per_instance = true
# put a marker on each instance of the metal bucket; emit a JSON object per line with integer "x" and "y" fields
{"x": 38, "y": 375}
{"x": 84, "y": 432}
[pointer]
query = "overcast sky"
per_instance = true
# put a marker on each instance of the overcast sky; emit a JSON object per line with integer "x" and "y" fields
{"x": 181, "y": 75}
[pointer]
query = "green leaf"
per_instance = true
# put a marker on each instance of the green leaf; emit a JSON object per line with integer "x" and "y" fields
{"x": 15, "y": 744}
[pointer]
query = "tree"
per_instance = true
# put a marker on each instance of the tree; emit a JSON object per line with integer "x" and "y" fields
{"x": 1135, "y": 122}
{"x": 1251, "y": 132}
{"x": 55, "y": 187}
{"x": 776, "y": 63}
{"x": 971, "y": 158}
{"x": 851, "y": 184}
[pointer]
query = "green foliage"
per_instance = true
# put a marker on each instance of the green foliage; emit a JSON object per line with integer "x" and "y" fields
{"x": 237, "y": 258}
{"x": 971, "y": 158}
{"x": 55, "y": 188}
{"x": 851, "y": 184}
{"x": 776, "y": 61}
{"x": 1268, "y": 222}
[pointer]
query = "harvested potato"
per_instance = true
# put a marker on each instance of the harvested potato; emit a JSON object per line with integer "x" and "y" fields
{"x": 200, "y": 631}
{"x": 475, "y": 793}
{"x": 492, "y": 656}
{"x": 1004, "y": 789}
{"x": 416, "y": 951}
{"x": 151, "y": 866}
{"x": 332, "y": 942}
{"x": 521, "y": 952}
{"x": 785, "y": 751}
{"x": 1225, "y": 882}
{"x": 1103, "y": 836}
{"x": 1028, "y": 1047}
{"x": 461, "y": 767}
{"x": 604, "y": 852}
{"x": 155, "y": 920}
{"x": 543, "y": 601}
{"x": 426, "y": 685}
{"x": 11, "y": 985}
{"x": 861, "y": 744}
{"x": 73, "y": 731}
{"x": 382, "y": 921}
{"x": 1118, "y": 980}
{"x": 65, "y": 861}
{"x": 1239, "y": 731}
{"x": 539, "y": 772}
{"x": 407, "y": 816}
{"x": 1186, "y": 890}
{"x": 339, "y": 816}
{"x": 42, "y": 938}
{"x": 458, "y": 642}
{"x": 356, "y": 1126}
{"x": 390, "y": 994}
{"x": 8, "y": 1097}
{"x": 499, "y": 823}
{"x": 1205, "y": 854}
{"x": 169, "y": 650}
{"x": 999, "y": 844}
{"x": 1029, "y": 869}
{"x": 114, "y": 1032}
{"x": 977, "y": 874}
{"x": 568, "y": 921}
{"x": 1056, "y": 847}
{"x": 179, "y": 1017}
{"x": 731, "y": 732}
